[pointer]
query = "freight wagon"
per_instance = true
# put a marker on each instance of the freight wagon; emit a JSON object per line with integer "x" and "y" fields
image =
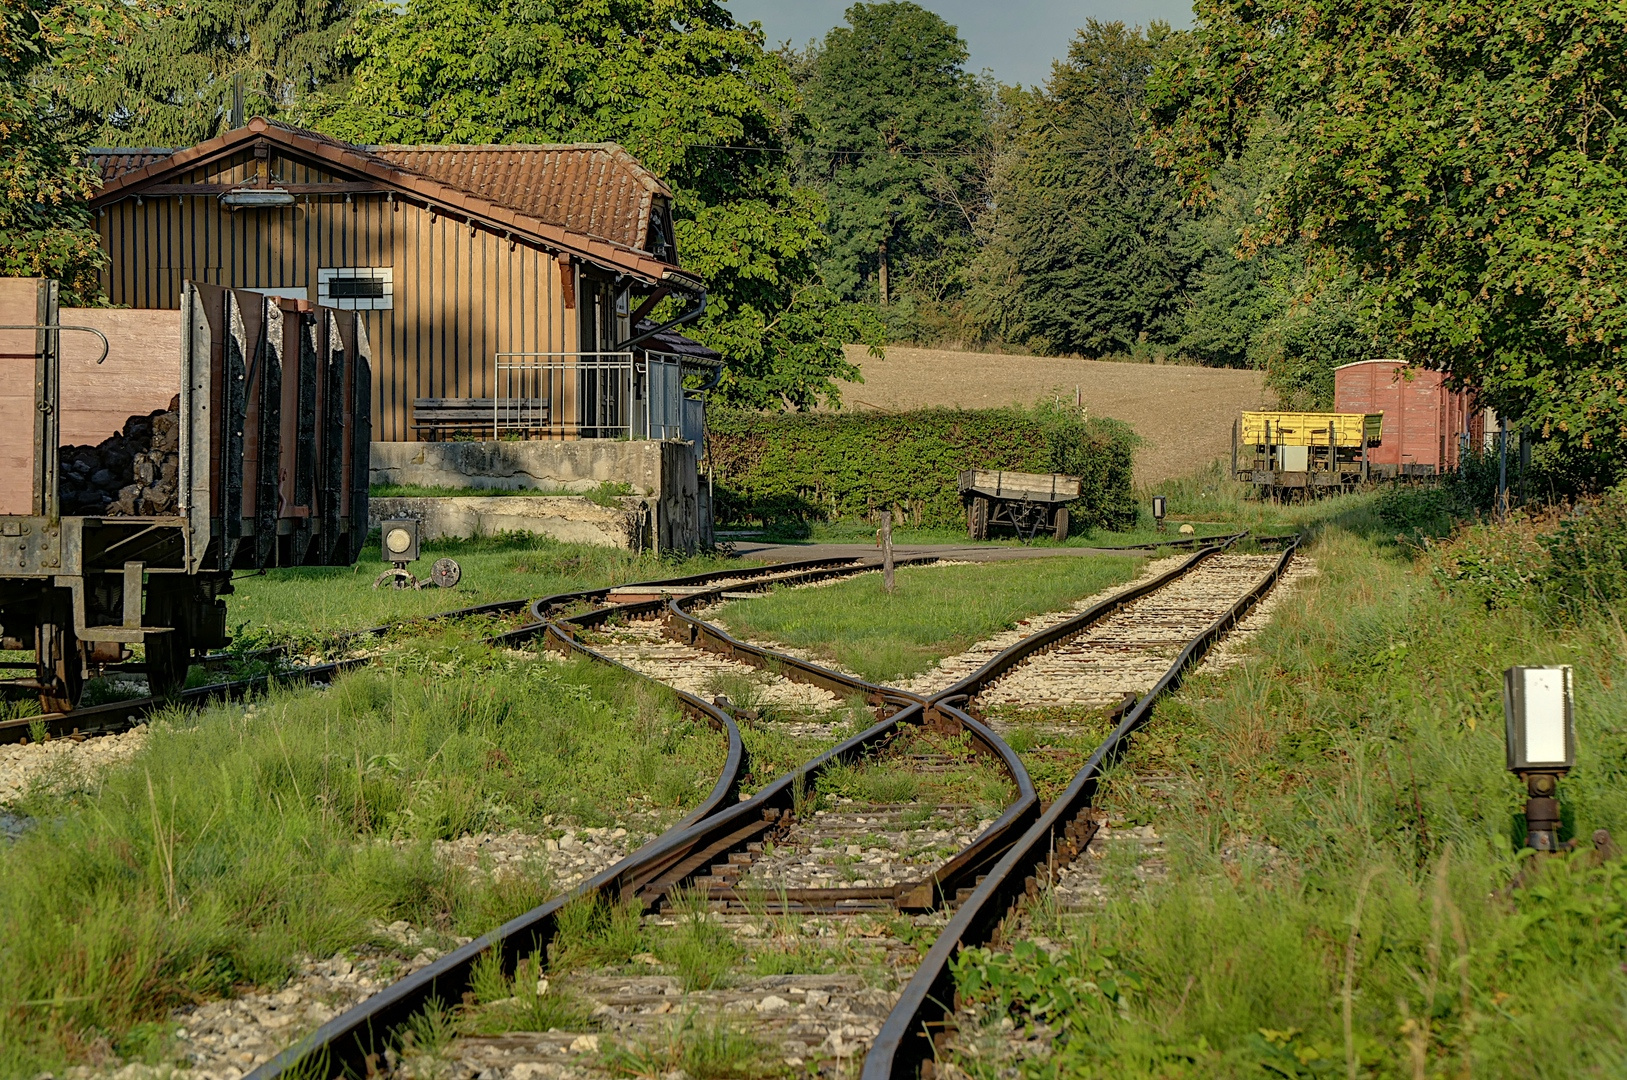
{"x": 1283, "y": 453}
{"x": 1426, "y": 424}
{"x": 146, "y": 455}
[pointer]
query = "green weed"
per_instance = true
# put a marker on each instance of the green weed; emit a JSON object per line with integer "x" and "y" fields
{"x": 702, "y": 1049}
{"x": 593, "y": 932}
{"x": 243, "y": 837}
{"x": 1340, "y": 894}
{"x": 701, "y": 950}
{"x": 936, "y": 611}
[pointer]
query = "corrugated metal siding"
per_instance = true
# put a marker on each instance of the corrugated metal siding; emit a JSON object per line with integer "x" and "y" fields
{"x": 458, "y": 298}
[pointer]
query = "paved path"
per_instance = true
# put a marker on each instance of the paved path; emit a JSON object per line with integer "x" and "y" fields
{"x": 757, "y": 549}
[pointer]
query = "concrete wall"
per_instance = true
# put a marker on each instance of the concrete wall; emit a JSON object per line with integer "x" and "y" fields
{"x": 577, "y": 465}
{"x": 663, "y": 476}
{"x": 567, "y": 518}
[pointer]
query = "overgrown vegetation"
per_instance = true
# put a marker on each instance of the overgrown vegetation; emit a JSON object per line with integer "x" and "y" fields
{"x": 823, "y": 466}
{"x": 239, "y": 839}
{"x": 1342, "y": 894}
{"x": 935, "y": 612}
{"x": 309, "y": 604}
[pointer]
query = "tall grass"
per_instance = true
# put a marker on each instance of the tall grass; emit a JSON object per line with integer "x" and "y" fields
{"x": 935, "y": 612}
{"x": 1343, "y": 895}
{"x": 240, "y": 839}
{"x": 306, "y": 603}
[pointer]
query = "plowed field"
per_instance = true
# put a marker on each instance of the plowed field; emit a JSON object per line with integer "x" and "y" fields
{"x": 1184, "y": 413}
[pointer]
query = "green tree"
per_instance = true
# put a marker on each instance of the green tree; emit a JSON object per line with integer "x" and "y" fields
{"x": 896, "y": 125}
{"x": 1287, "y": 308}
{"x": 45, "y": 227}
{"x": 174, "y": 81}
{"x": 1089, "y": 251}
{"x": 689, "y": 92}
{"x": 1463, "y": 159}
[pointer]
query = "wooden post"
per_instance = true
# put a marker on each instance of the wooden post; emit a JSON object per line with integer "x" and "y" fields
{"x": 887, "y": 550}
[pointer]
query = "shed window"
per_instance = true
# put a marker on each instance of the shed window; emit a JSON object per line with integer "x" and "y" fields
{"x": 355, "y": 288}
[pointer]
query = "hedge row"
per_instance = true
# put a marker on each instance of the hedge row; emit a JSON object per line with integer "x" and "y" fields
{"x": 779, "y": 467}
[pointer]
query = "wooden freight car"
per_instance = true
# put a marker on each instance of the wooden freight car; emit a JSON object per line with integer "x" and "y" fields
{"x": 241, "y": 440}
{"x": 1426, "y": 424}
{"x": 1288, "y": 454}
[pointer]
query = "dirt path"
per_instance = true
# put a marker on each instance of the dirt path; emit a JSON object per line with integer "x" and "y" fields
{"x": 1183, "y": 413}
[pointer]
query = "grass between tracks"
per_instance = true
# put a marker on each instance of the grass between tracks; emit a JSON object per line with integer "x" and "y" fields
{"x": 935, "y": 612}
{"x": 238, "y": 840}
{"x": 305, "y": 604}
{"x": 1342, "y": 895}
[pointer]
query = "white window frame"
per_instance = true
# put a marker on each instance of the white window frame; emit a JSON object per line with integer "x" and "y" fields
{"x": 327, "y": 274}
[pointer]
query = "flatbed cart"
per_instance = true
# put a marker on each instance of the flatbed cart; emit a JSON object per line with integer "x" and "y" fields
{"x": 1029, "y": 503}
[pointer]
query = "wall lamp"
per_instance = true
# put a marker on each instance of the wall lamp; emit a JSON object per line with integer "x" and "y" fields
{"x": 249, "y": 198}
{"x": 1540, "y": 727}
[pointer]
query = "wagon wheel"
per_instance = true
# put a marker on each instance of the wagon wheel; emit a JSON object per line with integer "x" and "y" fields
{"x": 977, "y": 518}
{"x": 1060, "y": 523}
{"x": 60, "y": 667}
{"x": 169, "y": 655}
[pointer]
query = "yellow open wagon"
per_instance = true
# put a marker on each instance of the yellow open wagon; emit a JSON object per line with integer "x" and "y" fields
{"x": 1303, "y": 451}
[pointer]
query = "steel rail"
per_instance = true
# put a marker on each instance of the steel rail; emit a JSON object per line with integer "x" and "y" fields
{"x": 508, "y": 607}
{"x": 355, "y": 1040}
{"x": 353, "y": 1043}
{"x": 906, "y": 1042}
{"x": 120, "y": 715}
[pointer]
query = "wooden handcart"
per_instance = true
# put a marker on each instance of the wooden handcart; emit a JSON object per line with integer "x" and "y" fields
{"x": 1029, "y": 503}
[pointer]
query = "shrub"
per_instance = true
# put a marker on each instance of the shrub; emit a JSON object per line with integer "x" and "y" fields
{"x": 1502, "y": 566}
{"x": 825, "y": 466}
{"x": 1587, "y": 567}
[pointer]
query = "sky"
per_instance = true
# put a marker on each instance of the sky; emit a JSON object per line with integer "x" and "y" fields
{"x": 1015, "y": 39}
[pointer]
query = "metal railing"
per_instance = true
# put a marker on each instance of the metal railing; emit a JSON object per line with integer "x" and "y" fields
{"x": 588, "y": 395}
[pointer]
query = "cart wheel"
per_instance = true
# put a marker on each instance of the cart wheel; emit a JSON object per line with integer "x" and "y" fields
{"x": 1061, "y": 523}
{"x": 978, "y": 518}
{"x": 60, "y": 667}
{"x": 169, "y": 656}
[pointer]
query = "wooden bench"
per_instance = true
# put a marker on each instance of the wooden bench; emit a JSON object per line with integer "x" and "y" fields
{"x": 468, "y": 416}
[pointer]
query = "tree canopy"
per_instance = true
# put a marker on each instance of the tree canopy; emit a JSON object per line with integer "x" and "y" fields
{"x": 1087, "y": 252}
{"x": 174, "y": 81}
{"x": 45, "y": 226}
{"x": 688, "y": 91}
{"x": 1464, "y": 160}
{"x": 895, "y": 124}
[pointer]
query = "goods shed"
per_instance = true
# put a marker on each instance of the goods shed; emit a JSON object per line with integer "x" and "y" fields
{"x": 505, "y": 289}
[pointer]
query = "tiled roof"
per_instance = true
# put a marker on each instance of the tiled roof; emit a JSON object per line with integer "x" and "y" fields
{"x": 592, "y": 188}
{"x": 592, "y": 200}
{"x": 116, "y": 162}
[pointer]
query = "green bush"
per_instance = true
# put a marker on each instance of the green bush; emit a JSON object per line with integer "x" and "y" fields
{"x": 1587, "y": 568}
{"x": 826, "y": 466}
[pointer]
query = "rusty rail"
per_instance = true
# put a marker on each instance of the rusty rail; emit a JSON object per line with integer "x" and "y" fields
{"x": 906, "y": 1039}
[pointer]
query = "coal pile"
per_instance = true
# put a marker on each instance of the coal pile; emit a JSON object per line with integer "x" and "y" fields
{"x": 134, "y": 473}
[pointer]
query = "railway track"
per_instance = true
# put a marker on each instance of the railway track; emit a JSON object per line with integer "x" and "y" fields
{"x": 117, "y": 716}
{"x": 823, "y": 910}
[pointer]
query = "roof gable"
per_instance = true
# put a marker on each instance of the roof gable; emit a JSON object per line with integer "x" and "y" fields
{"x": 590, "y": 200}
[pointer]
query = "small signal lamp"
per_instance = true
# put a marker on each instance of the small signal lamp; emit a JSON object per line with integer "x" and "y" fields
{"x": 1540, "y": 729}
{"x": 1159, "y": 504}
{"x": 400, "y": 540}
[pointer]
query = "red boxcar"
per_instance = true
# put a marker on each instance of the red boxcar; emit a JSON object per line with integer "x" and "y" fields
{"x": 1425, "y": 424}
